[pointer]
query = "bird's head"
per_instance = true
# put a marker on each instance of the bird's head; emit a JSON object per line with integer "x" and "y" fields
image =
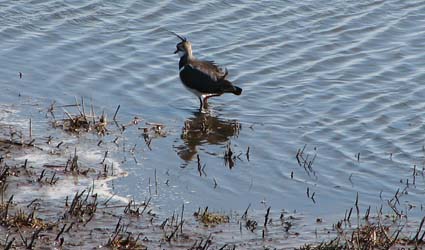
{"x": 184, "y": 48}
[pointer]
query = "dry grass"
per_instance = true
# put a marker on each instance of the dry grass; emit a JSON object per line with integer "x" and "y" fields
{"x": 371, "y": 236}
{"x": 122, "y": 239}
{"x": 23, "y": 219}
{"x": 209, "y": 218}
{"x": 80, "y": 122}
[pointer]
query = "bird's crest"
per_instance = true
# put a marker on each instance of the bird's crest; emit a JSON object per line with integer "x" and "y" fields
{"x": 177, "y": 35}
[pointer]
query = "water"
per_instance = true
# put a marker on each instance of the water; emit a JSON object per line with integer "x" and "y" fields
{"x": 342, "y": 78}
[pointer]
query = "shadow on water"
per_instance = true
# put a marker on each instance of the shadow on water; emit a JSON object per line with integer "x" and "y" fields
{"x": 205, "y": 128}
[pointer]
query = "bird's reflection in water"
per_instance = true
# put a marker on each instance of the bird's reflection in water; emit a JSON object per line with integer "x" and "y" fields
{"x": 205, "y": 128}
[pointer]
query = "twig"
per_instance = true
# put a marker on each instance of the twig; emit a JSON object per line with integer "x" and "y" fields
{"x": 419, "y": 229}
{"x": 9, "y": 245}
{"x": 245, "y": 214}
{"x": 60, "y": 232}
{"x": 266, "y": 217}
{"x": 156, "y": 183}
{"x": 181, "y": 219}
{"x": 116, "y": 112}
{"x": 30, "y": 129}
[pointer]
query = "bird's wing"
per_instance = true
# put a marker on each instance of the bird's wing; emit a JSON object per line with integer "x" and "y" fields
{"x": 211, "y": 69}
{"x": 203, "y": 79}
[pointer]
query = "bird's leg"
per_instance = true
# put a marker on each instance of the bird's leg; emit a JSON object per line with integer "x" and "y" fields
{"x": 206, "y": 99}
{"x": 201, "y": 104}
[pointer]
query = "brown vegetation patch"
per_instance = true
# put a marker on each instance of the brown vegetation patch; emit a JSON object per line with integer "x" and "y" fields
{"x": 209, "y": 218}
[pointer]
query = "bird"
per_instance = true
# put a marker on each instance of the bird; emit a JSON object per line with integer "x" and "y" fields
{"x": 205, "y": 79}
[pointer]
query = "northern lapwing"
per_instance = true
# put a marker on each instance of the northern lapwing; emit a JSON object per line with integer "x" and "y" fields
{"x": 203, "y": 78}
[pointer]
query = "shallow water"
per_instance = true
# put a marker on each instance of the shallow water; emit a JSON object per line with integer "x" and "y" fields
{"x": 344, "y": 78}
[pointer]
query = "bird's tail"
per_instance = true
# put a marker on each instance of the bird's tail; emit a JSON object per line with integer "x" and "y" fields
{"x": 237, "y": 90}
{"x": 232, "y": 89}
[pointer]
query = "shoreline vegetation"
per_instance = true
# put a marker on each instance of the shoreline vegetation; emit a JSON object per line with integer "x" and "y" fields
{"x": 87, "y": 219}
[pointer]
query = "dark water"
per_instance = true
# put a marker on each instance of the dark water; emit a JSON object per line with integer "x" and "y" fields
{"x": 342, "y": 77}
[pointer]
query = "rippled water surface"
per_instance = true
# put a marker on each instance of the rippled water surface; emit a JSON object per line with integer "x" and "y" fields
{"x": 344, "y": 78}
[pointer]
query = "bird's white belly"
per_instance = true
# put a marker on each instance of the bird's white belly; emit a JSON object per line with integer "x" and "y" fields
{"x": 197, "y": 93}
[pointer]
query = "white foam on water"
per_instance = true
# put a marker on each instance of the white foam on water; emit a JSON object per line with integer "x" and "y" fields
{"x": 69, "y": 184}
{"x": 11, "y": 113}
